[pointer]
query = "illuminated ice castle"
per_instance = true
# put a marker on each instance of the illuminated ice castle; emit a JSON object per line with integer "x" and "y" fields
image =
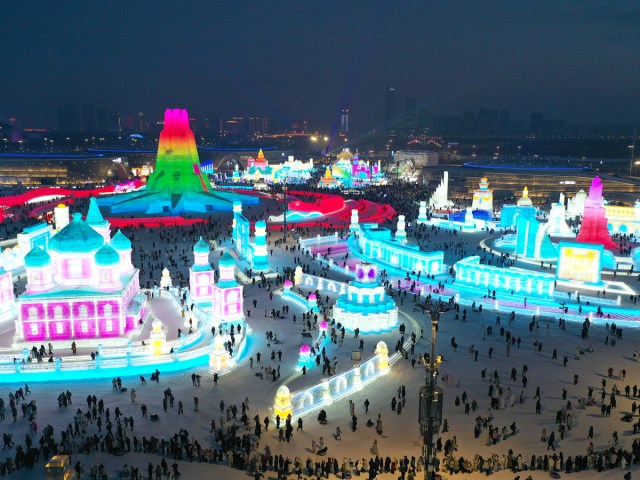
{"x": 227, "y": 292}
{"x": 366, "y": 305}
{"x": 291, "y": 171}
{"x": 378, "y": 245}
{"x": 351, "y": 171}
{"x": 177, "y": 184}
{"x": 594, "y": 228}
{"x": 483, "y": 197}
{"x": 83, "y": 287}
{"x": 440, "y": 198}
{"x": 201, "y": 274}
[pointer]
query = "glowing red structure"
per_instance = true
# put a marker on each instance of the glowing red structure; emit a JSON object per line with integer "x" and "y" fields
{"x": 177, "y": 166}
{"x": 594, "y": 223}
{"x": 177, "y": 186}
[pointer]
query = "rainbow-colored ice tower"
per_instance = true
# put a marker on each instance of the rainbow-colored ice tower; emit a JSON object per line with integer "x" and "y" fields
{"x": 594, "y": 222}
{"x": 177, "y": 166}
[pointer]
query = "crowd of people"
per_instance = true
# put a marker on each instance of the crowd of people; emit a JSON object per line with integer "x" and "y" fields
{"x": 238, "y": 437}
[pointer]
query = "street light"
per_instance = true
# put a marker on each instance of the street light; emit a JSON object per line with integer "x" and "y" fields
{"x": 286, "y": 207}
{"x": 431, "y": 396}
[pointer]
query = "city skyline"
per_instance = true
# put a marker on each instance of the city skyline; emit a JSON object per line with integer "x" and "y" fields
{"x": 286, "y": 62}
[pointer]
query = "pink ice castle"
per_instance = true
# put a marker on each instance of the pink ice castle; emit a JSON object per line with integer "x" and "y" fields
{"x": 594, "y": 223}
{"x": 83, "y": 287}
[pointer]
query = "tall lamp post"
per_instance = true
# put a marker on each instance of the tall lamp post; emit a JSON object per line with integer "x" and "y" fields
{"x": 632, "y": 148}
{"x": 286, "y": 207}
{"x": 431, "y": 397}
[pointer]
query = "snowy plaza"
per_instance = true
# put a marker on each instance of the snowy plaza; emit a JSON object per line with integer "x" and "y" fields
{"x": 159, "y": 339}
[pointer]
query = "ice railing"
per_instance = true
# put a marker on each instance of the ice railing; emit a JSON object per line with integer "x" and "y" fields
{"x": 307, "y": 243}
{"x": 336, "y": 387}
{"x": 100, "y": 363}
{"x": 299, "y": 300}
{"x": 330, "y": 263}
{"x": 314, "y": 282}
{"x": 104, "y": 362}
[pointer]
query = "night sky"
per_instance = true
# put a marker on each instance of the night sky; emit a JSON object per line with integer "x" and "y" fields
{"x": 289, "y": 60}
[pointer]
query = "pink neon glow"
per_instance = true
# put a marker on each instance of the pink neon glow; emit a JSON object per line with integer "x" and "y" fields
{"x": 33, "y": 195}
{"x": 154, "y": 222}
{"x": 323, "y": 325}
{"x": 227, "y": 302}
{"x": 305, "y": 349}
{"x": 594, "y": 222}
{"x": 335, "y": 211}
{"x": 288, "y": 284}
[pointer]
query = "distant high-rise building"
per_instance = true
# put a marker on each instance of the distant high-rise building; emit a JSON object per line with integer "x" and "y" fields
{"x": 102, "y": 120}
{"x": 211, "y": 125}
{"x": 493, "y": 120}
{"x": 243, "y": 125}
{"x": 265, "y": 125}
{"x": 254, "y": 125}
{"x": 344, "y": 121}
{"x": 232, "y": 128}
{"x": 88, "y": 118}
{"x": 468, "y": 123}
{"x": 411, "y": 113}
{"x": 537, "y": 124}
{"x": 504, "y": 126}
{"x": 390, "y": 105}
{"x": 115, "y": 122}
{"x": 69, "y": 118}
{"x": 422, "y": 122}
{"x": 482, "y": 125}
{"x": 129, "y": 122}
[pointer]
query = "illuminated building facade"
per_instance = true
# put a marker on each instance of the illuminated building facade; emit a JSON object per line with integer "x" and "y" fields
{"x": 440, "y": 197}
{"x": 377, "y": 245}
{"x": 81, "y": 288}
{"x": 624, "y": 220}
{"x": 532, "y": 240}
{"x": 291, "y": 171}
{"x": 510, "y": 214}
{"x": 580, "y": 261}
{"x": 255, "y": 253}
{"x": 366, "y": 305}
{"x": 201, "y": 274}
{"x": 7, "y": 299}
{"x": 575, "y": 206}
{"x": 470, "y": 272}
{"x": 557, "y": 226}
{"x": 227, "y": 293}
{"x": 483, "y": 197}
{"x": 594, "y": 221}
{"x": 350, "y": 171}
{"x": 59, "y": 169}
{"x": 524, "y": 201}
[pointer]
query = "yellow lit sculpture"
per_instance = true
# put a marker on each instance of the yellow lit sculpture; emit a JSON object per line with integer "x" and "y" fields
{"x": 158, "y": 338}
{"x": 282, "y": 404}
{"x": 383, "y": 355}
{"x": 59, "y": 468}
{"x": 218, "y": 357}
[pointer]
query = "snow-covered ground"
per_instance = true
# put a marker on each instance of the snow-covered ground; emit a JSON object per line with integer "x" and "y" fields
{"x": 401, "y": 432}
